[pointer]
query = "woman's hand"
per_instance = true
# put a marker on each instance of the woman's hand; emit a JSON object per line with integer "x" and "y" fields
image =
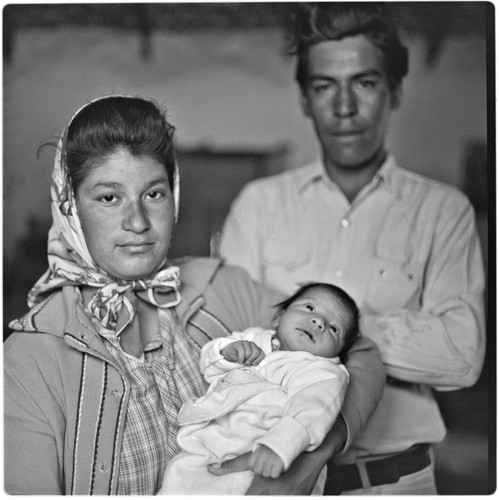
{"x": 299, "y": 479}
{"x": 243, "y": 352}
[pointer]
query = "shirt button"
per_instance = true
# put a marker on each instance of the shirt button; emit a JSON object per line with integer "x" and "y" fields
{"x": 383, "y": 273}
{"x": 345, "y": 222}
{"x": 338, "y": 273}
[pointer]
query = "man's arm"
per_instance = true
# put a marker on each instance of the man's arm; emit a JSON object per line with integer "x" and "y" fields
{"x": 442, "y": 344}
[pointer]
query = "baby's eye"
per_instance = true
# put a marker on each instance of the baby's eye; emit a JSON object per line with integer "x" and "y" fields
{"x": 334, "y": 328}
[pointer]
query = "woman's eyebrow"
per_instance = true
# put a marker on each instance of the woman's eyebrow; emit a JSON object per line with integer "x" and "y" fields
{"x": 105, "y": 184}
{"x": 117, "y": 185}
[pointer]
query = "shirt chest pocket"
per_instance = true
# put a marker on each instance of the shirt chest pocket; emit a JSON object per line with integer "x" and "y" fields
{"x": 393, "y": 285}
{"x": 396, "y": 269}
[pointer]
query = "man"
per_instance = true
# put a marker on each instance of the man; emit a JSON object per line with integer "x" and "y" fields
{"x": 403, "y": 246}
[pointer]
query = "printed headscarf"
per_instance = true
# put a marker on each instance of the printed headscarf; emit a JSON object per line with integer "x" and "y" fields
{"x": 70, "y": 262}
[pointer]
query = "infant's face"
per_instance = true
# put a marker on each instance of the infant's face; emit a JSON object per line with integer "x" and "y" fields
{"x": 316, "y": 322}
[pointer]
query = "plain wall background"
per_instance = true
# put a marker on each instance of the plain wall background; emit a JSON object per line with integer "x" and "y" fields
{"x": 224, "y": 89}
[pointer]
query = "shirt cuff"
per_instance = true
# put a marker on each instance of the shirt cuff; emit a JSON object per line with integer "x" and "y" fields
{"x": 354, "y": 420}
{"x": 288, "y": 438}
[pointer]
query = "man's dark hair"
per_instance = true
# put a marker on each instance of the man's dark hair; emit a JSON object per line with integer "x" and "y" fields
{"x": 353, "y": 331}
{"x": 313, "y": 23}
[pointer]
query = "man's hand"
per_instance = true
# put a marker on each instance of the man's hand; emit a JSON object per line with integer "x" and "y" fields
{"x": 265, "y": 462}
{"x": 243, "y": 352}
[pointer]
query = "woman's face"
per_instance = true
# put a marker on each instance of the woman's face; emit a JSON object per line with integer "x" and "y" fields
{"x": 126, "y": 209}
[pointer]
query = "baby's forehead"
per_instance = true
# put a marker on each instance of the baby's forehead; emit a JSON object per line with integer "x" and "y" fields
{"x": 324, "y": 297}
{"x": 317, "y": 291}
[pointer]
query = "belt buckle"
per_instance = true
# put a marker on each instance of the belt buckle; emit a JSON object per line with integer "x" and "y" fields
{"x": 363, "y": 474}
{"x": 389, "y": 472}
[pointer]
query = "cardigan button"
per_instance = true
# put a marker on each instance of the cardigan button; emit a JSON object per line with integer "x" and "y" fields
{"x": 115, "y": 393}
{"x": 103, "y": 468}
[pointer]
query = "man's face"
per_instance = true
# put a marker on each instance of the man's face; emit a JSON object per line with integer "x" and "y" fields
{"x": 349, "y": 101}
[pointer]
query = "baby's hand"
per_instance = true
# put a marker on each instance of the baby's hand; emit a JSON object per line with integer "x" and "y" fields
{"x": 266, "y": 463}
{"x": 243, "y": 352}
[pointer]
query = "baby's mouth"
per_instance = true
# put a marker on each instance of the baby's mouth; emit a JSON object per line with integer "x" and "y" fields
{"x": 308, "y": 332}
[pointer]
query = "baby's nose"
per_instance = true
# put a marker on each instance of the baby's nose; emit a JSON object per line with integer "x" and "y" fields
{"x": 319, "y": 323}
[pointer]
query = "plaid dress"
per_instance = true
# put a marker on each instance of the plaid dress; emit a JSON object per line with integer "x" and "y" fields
{"x": 166, "y": 376}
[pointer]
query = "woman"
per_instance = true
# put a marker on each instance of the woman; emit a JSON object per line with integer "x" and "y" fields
{"x": 97, "y": 370}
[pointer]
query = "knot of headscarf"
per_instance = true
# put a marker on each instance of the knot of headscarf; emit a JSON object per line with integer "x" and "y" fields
{"x": 108, "y": 301}
{"x": 70, "y": 262}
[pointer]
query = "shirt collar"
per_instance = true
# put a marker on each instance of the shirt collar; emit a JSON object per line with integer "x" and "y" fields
{"x": 310, "y": 174}
{"x": 387, "y": 174}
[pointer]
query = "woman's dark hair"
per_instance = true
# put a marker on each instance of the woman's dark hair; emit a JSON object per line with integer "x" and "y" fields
{"x": 134, "y": 124}
{"x": 313, "y": 23}
{"x": 353, "y": 331}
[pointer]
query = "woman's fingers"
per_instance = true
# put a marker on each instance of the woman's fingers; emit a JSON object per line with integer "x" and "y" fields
{"x": 237, "y": 464}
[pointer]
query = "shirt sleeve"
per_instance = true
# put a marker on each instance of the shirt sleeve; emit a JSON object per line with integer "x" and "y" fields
{"x": 443, "y": 344}
{"x": 316, "y": 389}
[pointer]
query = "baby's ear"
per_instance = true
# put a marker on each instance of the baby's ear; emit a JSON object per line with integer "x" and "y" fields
{"x": 275, "y": 321}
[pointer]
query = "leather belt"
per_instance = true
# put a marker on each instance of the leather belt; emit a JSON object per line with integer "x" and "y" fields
{"x": 347, "y": 477}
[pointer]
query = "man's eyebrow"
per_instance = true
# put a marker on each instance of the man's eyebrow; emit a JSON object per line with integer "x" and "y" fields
{"x": 360, "y": 74}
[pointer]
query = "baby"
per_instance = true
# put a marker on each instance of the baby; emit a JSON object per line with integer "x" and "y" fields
{"x": 275, "y": 393}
